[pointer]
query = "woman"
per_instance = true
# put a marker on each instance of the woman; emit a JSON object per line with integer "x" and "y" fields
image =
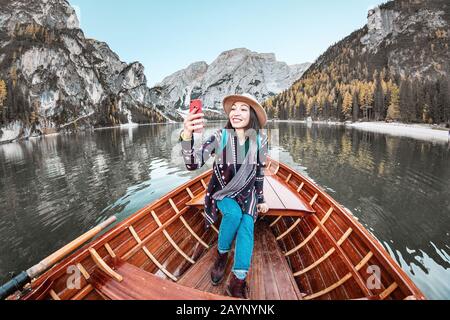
{"x": 236, "y": 187}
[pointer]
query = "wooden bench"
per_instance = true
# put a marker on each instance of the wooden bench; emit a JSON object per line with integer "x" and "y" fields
{"x": 282, "y": 201}
{"x": 138, "y": 284}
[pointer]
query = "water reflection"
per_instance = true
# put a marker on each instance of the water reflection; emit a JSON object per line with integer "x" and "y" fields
{"x": 56, "y": 188}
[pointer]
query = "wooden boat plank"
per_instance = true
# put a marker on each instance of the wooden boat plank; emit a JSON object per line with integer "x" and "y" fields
{"x": 304, "y": 257}
{"x": 192, "y": 277}
{"x": 164, "y": 251}
{"x": 282, "y": 201}
{"x": 354, "y": 254}
{"x": 297, "y": 261}
{"x": 322, "y": 275}
{"x": 333, "y": 266}
{"x": 290, "y": 199}
{"x": 256, "y": 278}
{"x": 286, "y": 285}
{"x": 206, "y": 284}
{"x": 187, "y": 243}
{"x": 355, "y": 249}
{"x": 269, "y": 277}
{"x": 270, "y": 196}
{"x": 141, "y": 285}
{"x": 270, "y": 286}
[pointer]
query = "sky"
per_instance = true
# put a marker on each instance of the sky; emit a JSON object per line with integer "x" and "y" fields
{"x": 169, "y": 35}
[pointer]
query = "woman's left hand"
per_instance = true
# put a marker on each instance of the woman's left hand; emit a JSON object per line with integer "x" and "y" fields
{"x": 262, "y": 207}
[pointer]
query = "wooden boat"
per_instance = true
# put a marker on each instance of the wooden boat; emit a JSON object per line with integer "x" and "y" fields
{"x": 306, "y": 247}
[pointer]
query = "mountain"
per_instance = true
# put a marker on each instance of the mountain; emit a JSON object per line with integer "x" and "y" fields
{"x": 233, "y": 72}
{"x": 394, "y": 68}
{"x": 53, "y": 78}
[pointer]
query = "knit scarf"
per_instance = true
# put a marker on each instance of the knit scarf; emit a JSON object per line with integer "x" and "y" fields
{"x": 245, "y": 173}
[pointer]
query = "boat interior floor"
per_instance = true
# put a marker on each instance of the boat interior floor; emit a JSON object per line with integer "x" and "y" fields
{"x": 270, "y": 277}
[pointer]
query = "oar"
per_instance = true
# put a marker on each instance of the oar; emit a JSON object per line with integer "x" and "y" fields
{"x": 18, "y": 282}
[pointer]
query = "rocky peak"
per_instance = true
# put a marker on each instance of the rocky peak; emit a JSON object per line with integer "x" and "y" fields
{"x": 194, "y": 72}
{"x": 232, "y": 72}
{"x": 55, "y": 14}
{"x": 402, "y": 17}
{"x": 380, "y": 24}
{"x": 133, "y": 76}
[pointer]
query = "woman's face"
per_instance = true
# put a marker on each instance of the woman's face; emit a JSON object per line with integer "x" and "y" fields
{"x": 240, "y": 115}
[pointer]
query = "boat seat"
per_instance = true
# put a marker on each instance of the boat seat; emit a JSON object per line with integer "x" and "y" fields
{"x": 138, "y": 284}
{"x": 282, "y": 201}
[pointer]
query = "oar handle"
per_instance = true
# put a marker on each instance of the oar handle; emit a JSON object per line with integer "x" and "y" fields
{"x": 18, "y": 282}
{"x": 14, "y": 285}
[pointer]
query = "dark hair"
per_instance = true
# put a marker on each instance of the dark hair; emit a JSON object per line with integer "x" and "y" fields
{"x": 252, "y": 124}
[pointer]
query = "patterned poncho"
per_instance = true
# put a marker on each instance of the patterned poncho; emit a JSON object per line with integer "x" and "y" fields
{"x": 228, "y": 158}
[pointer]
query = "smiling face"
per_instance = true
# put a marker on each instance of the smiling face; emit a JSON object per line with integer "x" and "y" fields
{"x": 240, "y": 115}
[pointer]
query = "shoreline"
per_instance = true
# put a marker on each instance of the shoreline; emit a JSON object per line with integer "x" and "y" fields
{"x": 54, "y": 134}
{"x": 416, "y": 131}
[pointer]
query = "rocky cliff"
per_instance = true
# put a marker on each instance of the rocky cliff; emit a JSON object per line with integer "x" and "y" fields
{"x": 53, "y": 78}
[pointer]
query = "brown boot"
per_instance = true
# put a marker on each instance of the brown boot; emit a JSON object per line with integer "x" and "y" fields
{"x": 218, "y": 270}
{"x": 237, "y": 288}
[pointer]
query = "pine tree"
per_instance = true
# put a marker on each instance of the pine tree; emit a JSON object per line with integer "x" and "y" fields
{"x": 393, "y": 112}
{"x": 444, "y": 100}
{"x": 378, "y": 98}
{"x": 418, "y": 100}
{"x": 355, "y": 108}
{"x": 406, "y": 101}
{"x": 3, "y": 95}
{"x": 432, "y": 88}
{"x": 347, "y": 105}
{"x": 426, "y": 108}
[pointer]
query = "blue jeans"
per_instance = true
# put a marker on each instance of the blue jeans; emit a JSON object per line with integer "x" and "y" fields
{"x": 239, "y": 225}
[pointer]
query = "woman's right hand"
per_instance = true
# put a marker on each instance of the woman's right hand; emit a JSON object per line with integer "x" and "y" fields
{"x": 193, "y": 122}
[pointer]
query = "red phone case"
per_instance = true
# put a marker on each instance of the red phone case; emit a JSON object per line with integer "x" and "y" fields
{"x": 197, "y": 103}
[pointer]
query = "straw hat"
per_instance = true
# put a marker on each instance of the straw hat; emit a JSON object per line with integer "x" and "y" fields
{"x": 251, "y": 101}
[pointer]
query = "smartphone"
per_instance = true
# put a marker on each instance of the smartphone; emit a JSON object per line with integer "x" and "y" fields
{"x": 196, "y": 103}
{"x": 199, "y": 105}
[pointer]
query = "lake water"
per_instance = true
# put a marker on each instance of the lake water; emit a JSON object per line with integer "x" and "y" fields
{"x": 54, "y": 189}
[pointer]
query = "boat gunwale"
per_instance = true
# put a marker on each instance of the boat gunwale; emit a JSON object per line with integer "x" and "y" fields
{"x": 379, "y": 252}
